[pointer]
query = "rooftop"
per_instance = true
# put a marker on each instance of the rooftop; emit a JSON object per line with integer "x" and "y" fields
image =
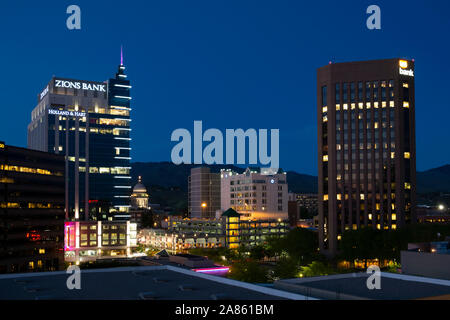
{"x": 133, "y": 283}
{"x": 353, "y": 286}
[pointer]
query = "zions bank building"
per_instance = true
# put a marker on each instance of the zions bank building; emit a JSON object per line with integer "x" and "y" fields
{"x": 89, "y": 123}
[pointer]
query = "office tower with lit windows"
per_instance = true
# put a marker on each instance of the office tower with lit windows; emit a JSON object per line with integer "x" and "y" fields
{"x": 89, "y": 123}
{"x": 204, "y": 193}
{"x": 31, "y": 210}
{"x": 366, "y": 147}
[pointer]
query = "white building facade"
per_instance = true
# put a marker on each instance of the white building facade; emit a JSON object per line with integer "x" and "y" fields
{"x": 255, "y": 195}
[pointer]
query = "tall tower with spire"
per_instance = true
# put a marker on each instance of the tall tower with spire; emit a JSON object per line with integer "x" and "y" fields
{"x": 119, "y": 99}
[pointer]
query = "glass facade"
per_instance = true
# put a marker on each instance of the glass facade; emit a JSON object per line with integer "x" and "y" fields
{"x": 89, "y": 123}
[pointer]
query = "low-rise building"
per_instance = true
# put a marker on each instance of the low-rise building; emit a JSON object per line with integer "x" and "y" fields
{"x": 92, "y": 240}
{"x": 230, "y": 230}
{"x": 429, "y": 259}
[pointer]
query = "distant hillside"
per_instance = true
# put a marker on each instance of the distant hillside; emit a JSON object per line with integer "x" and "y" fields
{"x": 434, "y": 180}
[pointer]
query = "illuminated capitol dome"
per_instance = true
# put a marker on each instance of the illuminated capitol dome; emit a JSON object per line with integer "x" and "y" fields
{"x": 139, "y": 197}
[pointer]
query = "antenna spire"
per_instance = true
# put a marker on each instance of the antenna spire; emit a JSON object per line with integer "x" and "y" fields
{"x": 121, "y": 55}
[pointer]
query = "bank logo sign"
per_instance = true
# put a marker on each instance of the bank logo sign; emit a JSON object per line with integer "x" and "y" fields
{"x": 80, "y": 85}
{"x": 403, "y": 69}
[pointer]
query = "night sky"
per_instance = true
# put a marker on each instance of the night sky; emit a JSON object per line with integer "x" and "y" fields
{"x": 232, "y": 64}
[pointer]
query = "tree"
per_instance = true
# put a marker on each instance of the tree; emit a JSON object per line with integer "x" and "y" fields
{"x": 286, "y": 268}
{"x": 248, "y": 271}
{"x": 316, "y": 268}
{"x": 257, "y": 252}
{"x": 301, "y": 244}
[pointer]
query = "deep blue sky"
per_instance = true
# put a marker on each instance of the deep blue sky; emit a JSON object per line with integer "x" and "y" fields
{"x": 233, "y": 64}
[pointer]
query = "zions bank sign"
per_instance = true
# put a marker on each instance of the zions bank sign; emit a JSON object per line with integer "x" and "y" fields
{"x": 80, "y": 85}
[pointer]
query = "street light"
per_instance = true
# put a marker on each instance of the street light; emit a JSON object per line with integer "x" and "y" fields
{"x": 204, "y": 205}
{"x": 441, "y": 207}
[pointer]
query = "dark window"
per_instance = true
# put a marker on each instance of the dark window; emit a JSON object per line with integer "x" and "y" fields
{"x": 324, "y": 96}
{"x": 338, "y": 93}
{"x": 375, "y": 90}
{"x": 344, "y": 91}
{"x": 368, "y": 91}
{"x": 352, "y": 92}
{"x": 360, "y": 91}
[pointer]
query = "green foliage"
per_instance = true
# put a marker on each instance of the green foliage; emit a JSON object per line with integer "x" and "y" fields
{"x": 393, "y": 267}
{"x": 316, "y": 268}
{"x": 299, "y": 244}
{"x": 285, "y": 268}
{"x": 248, "y": 271}
{"x": 257, "y": 252}
{"x": 369, "y": 243}
{"x": 215, "y": 254}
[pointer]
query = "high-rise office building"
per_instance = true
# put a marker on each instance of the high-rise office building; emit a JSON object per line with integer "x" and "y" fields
{"x": 204, "y": 193}
{"x": 254, "y": 194}
{"x": 31, "y": 210}
{"x": 366, "y": 147}
{"x": 89, "y": 123}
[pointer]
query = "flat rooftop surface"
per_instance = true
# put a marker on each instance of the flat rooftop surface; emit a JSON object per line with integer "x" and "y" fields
{"x": 134, "y": 283}
{"x": 354, "y": 286}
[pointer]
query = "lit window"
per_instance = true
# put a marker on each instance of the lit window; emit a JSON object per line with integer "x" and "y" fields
{"x": 407, "y": 185}
{"x": 338, "y": 107}
{"x": 407, "y": 155}
{"x": 324, "y": 109}
{"x": 339, "y": 196}
{"x": 405, "y": 104}
{"x": 325, "y": 197}
{"x": 325, "y": 158}
{"x": 394, "y": 216}
{"x": 392, "y": 155}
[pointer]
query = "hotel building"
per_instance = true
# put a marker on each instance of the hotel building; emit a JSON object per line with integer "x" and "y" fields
{"x": 89, "y": 124}
{"x": 255, "y": 195}
{"x": 366, "y": 147}
{"x": 31, "y": 210}
{"x": 204, "y": 193}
